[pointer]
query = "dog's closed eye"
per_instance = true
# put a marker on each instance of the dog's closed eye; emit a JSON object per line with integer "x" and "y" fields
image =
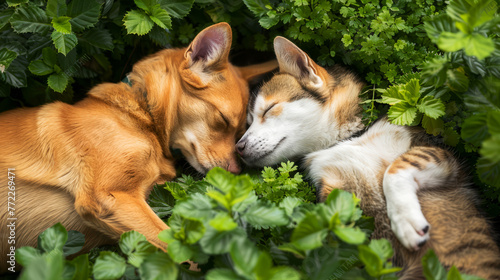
{"x": 268, "y": 109}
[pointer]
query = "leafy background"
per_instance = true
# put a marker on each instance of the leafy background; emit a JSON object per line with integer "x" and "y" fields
{"x": 426, "y": 63}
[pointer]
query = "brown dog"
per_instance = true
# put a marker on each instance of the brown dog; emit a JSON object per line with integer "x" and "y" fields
{"x": 91, "y": 165}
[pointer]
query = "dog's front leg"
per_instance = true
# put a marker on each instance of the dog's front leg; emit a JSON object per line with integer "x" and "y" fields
{"x": 117, "y": 212}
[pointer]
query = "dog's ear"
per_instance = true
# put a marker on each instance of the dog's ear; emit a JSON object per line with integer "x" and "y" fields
{"x": 208, "y": 52}
{"x": 297, "y": 63}
{"x": 252, "y": 71}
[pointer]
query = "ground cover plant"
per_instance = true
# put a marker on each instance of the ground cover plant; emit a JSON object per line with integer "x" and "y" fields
{"x": 426, "y": 63}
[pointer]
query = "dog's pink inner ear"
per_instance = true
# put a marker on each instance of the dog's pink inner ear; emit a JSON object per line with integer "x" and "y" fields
{"x": 211, "y": 47}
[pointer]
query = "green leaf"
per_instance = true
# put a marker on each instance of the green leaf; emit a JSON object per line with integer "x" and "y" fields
{"x": 98, "y": 37}
{"x": 56, "y": 8}
{"x": 434, "y": 72}
{"x": 53, "y": 238}
{"x": 491, "y": 148}
{"x": 221, "y": 179}
{"x": 437, "y": 25}
{"x": 489, "y": 171}
{"x": 342, "y": 203}
{"x": 16, "y": 74}
{"x": 258, "y": 7}
{"x": 413, "y": 91}
{"x": 289, "y": 203}
{"x": 432, "y": 268}
{"x": 179, "y": 252}
{"x": 58, "y": 82}
{"x": 431, "y": 107}
{"x": 26, "y": 255}
{"x": 83, "y": 13}
{"x": 309, "y": 233}
{"x": 494, "y": 122}
{"x": 64, "y": 43}
{"x": 137, "y": 22}
{"x": 222, "y": 274}
{"x": 30, "y": 18}
{"x": 245, "y": 256}
{"x": 5, "y": 16}
{"x": 453, "y": 274}
{"x": 475, "y": 129}
{"x": 6, "y": 58}
{"x": 129, "y": 241}
{"x": 46, "y": 267}
{"x": 479, "y": 46}
{"x": 382, "y": 247}
{"x": 457, "y": 81}
{"x": 268, "y": 22}
{"x": 452, "y": 42}
{"x": 38, "y": 67}
{"x": 145, "y": 5}
{"x": 261, "y": 214}
{"x": 158, "y": 266}
{"x": 350, "y": 235}
{"x": 109, "y": 265}
{"x": 402, "y": 113}
{"x": 13, "y": 3}
{"x": 141, "y": 251}
{"x": 433, "y": 126}
{"x": 223, "y": 222}
{"x": 373, "y": 263}
{"x": 81, "y": 264}
{"x": 62, "y": 24}
{"x": 49, "y": 56}
{"x": 74, "y": 244}
{"x": 219, "y": 242}
{"x": 176, "y": 190}
{"x": 177, "y": 8}
{"x": 161, "y": 17}
{"x": 197, "y": 207}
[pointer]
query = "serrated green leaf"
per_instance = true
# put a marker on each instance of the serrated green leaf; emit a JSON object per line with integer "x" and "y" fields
{"x": 197, "y": 207}
{"x": 98, "y": 37}
{"x": 258, "y": 7}
{"x": 289, "y": 203}
{"x": 30, "y": 18}
{"x": 47, "y": 266}
{"x": 74, "y": 244}
{"x": 457, "y": 81}
{"x": 222, "y": 274}
{"x": 479, "y": 46}
{"x": 53, "y": 238}
{"x": 56, "y": 8}
{"x": 145, "y": 5}
{"x": 129, "y": 240}
{"x": 13, "y": 3}
{"x": 219, "y": 242}
{"x": 309, "y": 233}
{"x": 431, "y": 107}
{"x": 373, "y": 263}
{"x": 223, "y": 222}
{"x": 268, "y": 22}
{"x": 81, "y": 265}
{"x": 433, "y": 126}
{"x": 5, "y": 16}
{"x": 109, "y": 265}
{"x": 179, "y": 252}
{"x": 437, "y": 25}
{"x": 432, "y": 267}
{"x": 413, "y": 89}
{"x": 6, "y": 58}
{"x": 382, "y": 247}
{"x": 452, "y": 42}
{"x": 177, "y": 8}
{"x": 245, "y": 259}
{"x": 49, "y": 56}
{"x": 261, "y": 214}
{"x": 489, "y": 171}
{"x": 64, "y": 43}
{"x": 453, "y": 274}
{"x": 16, "y": 74}
{"x": 142, "y": 250}
{"x": 161, "y": 17}
{"x": 490, "y": 149}
{"x": 58, "y": 82}
{"x": 342, "y": 203}
{"x": 137, "y": 22}
{"x": 83, "y": 13}
{"x": 25, "y": 255}
{"x": 158, "y": 266}
{"x": 494, "y": 122}
{"x": 434, "y": 71}
{"x": 350, "y": 235}
{"x": 402, "y": 114}
{"x": 62, "y": 24}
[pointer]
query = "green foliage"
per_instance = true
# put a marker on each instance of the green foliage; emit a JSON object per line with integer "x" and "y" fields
{"x": 434, "y": 270}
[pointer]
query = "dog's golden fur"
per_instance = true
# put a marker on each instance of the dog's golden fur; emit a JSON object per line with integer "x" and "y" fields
{"x": 91, "y": 165}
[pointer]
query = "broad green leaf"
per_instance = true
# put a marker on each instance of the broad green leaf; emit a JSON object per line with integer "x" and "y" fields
{"x": 268, "y": 22}
{"x": 221, "y": 179}
{"x": 393, "y": 95}
{"x": 30, "y": 18}
{"x": 482, "y": 96}
{"x": 161, "y": 17}
{"x": 64, "y": 43}
{"x": 46, "y": 267}
{"x": 382, "y": 247}
{"x": 350, "y": 235}
{"x": 431, "y": 107}
{"x": 176, "y": 190}
{"x": 161, "y": 201}
{"x": 284, "y": 273}
{"x": 26, "y": 255}
{"x": 177, "y": 8}
{"x": 479, "y": 46}
{"x": 49, "y": 56}
{"x": 13, "y": 3}
{"x": 244, "y": 255}
{"x": 5, "y": 16}
{"x": 198, "y": 206}
{"x": 494, "y": 122}
{"x": 309, "y": 233}
{"x": 475, "y": 65}
{"x": 452, "y": 42}
{"x": 53, "y": 238}
{"x": 74, "y": 244}
{"x": 412, "y": 91}
{"x": 167, "y": 235}
{"x": 457, "y": 81}
{"x": 58, "y": 82}
{"x": 81, "y": 264}
{"x": 141, "y": 251}
{"x": 437, "y": 25}
{"x": 83, "y": 13}
{"x": 258, "y": 7}
{"x": 6, "y": 58}
{"x": 432, "y": 268}
{"x": 56, "y": 8}
{"x": 16, "y": 74}
{"x": 343, "y": 203}
{"x": 129, "y": 241}
{"x": 475, "y": 129}
{"x": 402, "y": 113}
{"x": 38, "y": 67}
{"x": 289, "y": 203}
{"x": 223, "y": 222}
{"x": 137, "y": 22}
{"x": 433, "y": 126}
{"x": 453, "y": 274}
{"x": 98, "y": 37}
{"x": 265, "y": 215}
{"x": 179, "y": 252}
{"x": 158, "y": 266}
{"x": 215, "y": 242}
{"x": 109, "y": 265}
{"x": 222, "y": 274}
{"x": 62, "y": 24}
{"x": 373, "y": 263}
{"x": 434, "y": 71}
{"x": 489, "y": 171}
{"x": 491, "y": 148}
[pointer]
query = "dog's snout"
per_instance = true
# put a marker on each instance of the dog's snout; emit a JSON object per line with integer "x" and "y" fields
{"x": 240, "y": 147}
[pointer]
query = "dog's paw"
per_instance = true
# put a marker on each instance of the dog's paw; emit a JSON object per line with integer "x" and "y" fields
{"x": 412, "y": 230}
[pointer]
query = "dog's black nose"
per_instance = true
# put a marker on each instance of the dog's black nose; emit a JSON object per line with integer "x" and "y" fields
{"x": 240, "y": 147}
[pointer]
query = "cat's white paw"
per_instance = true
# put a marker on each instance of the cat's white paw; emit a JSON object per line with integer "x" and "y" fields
{"x": 411, "y": 229}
